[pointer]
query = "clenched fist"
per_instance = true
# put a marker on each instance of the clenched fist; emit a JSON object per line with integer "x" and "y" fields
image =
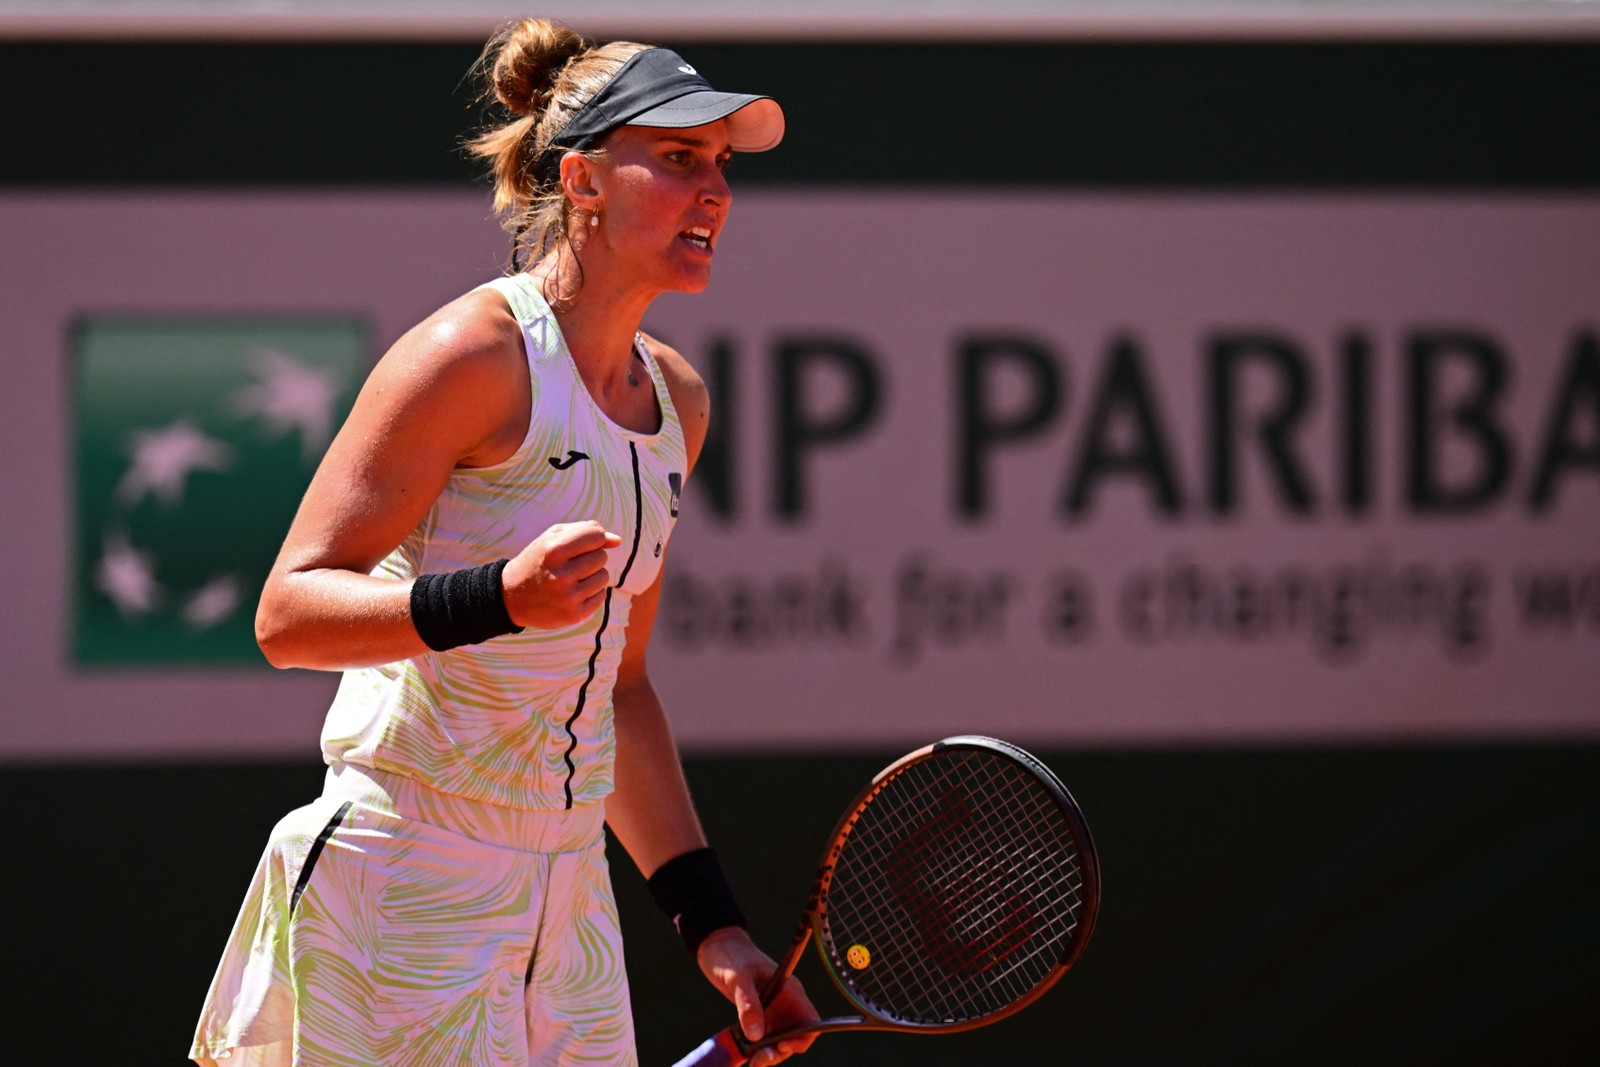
{"x": 560, "y": 578}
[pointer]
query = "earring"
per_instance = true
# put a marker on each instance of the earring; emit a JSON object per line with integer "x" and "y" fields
{"x": 594, "y": 221}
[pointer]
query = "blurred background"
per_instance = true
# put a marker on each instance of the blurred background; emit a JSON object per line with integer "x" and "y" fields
{"x": 1203, "y": 395}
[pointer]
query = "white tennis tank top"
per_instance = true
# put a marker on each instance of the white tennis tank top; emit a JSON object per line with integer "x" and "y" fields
{"x": 523, "y": 720}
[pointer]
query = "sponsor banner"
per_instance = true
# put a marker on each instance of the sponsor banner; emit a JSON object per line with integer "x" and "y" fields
{"x": 195, "y": 441}
{"x": 1073, "y": 468}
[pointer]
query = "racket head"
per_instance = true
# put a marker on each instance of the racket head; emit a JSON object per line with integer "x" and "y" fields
{"x": 961, "y": 885}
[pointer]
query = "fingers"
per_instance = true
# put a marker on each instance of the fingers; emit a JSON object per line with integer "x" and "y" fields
{"x": 793, "y": 1047}
{"x": 781, "y": 1051}
{"x": 589, "y": 605}
{"x": 578, "y": 567}
{"x": 789, "y": 1009}
{"x": 568, "y": 540}
{"x": 560, "y": 578}
{"x": 752, "y": 1020}
{"x": 740, "y": 971}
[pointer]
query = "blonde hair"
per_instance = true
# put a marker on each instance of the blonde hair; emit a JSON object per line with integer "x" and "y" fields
{"x": 542, "y": 73}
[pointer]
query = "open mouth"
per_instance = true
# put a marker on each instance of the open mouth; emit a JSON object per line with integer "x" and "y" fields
{"x": 698, "y": 236}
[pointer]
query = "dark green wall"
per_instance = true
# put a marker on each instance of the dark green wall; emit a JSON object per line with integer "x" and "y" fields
{"x": 1349, "y": 906}
{"x": 1149, "y": 115}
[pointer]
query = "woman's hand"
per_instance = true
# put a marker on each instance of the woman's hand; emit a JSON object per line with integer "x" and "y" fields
{"x": 740, "y": 971}
{"x": 560, "y": 578}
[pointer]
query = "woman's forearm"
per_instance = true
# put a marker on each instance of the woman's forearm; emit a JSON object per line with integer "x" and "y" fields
{"x": 650, "y": 810}
{"x": 328, "y": 619}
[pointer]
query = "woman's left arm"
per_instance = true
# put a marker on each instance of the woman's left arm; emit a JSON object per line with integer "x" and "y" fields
{"x": 650, "y": 810}
{"x": 652, "y": 816}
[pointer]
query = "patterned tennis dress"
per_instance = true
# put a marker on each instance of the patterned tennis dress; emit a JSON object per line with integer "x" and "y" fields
{"x": 446, "y": 900}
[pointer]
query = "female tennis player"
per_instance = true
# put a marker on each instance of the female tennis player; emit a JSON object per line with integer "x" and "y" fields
{"x": 480, "y": 553}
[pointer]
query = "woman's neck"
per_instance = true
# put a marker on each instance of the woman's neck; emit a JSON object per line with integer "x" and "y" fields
{"x": 598, "y": 318}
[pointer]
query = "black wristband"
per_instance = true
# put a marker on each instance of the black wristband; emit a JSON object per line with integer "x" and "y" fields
{"x": 461, "y": 607}
{"x": 692, "y": 891}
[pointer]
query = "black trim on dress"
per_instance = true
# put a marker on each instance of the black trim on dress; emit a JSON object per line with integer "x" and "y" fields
{"x": 316, "y": 850}
{"x": 605, "y": 620}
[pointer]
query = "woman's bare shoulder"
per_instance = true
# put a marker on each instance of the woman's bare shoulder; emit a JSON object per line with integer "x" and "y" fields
{"x": 459, "y": 375}
{"x": 688, "y": 388}
{"x": 473, "y": 334}
{"x": 689, "y": 393}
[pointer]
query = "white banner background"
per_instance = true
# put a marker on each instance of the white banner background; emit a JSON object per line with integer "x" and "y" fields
{"x": 881, "y": 614}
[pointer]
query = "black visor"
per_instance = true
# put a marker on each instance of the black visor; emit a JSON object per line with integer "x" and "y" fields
{"x": 657, "y": 87}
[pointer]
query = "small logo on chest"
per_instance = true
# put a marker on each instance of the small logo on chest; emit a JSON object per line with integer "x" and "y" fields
{"x": 573, "y": 455}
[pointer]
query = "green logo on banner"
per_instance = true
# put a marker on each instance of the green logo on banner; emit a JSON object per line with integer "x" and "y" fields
{"x": 196, "y": 439}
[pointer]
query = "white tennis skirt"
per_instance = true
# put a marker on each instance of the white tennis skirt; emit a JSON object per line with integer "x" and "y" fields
{"x": 390, "y": 924}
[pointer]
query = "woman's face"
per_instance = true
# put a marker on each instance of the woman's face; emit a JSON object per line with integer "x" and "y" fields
{"x": 663, "y": 201}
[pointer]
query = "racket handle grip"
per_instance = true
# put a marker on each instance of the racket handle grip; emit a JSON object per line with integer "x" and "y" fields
{"x": 719, "y": 1051}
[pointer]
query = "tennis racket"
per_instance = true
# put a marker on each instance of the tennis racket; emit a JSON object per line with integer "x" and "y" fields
{"x": 960, "y": 885}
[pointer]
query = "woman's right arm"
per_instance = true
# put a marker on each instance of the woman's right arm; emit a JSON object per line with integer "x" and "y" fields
{"x": 453, "y": 392}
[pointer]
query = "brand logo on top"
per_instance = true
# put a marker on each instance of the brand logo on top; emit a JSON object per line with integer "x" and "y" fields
{"x": 573, "y": 456}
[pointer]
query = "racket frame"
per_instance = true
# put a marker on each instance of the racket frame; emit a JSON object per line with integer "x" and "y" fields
{"x": 811, "y": 922}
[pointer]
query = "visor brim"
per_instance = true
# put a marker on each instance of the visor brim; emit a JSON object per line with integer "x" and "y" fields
{"x": 755, "y": 123}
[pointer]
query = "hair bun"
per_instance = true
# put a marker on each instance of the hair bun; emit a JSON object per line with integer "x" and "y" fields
{"x": 524, "y": 59}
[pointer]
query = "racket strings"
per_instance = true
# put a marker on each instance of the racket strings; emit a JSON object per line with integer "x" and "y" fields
{"x": 963, "y": 881}
{"x": 945, "y": 921}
